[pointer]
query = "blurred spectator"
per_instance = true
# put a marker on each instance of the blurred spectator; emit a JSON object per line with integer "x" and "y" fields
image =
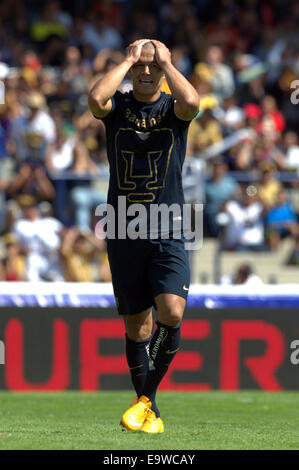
{"x": 91, "y": 132}
{"x": 85, "y": 195}
{"x": 243, "y": 274}
{"x": 31, "y": 62}
{"x": 82, "y": 163}
{"x": 31, "y": 179}
{"x": 244, "y": 229}
{"x": 219, "y": 188}
{"x": 291, "y": 149}
{"x": 248, "y": 154}
{"x": 287, "y": 154}
{"x": 250, "y": 79}
{"x": 269, "y": 187}
{"x": 51, "y": 23}
{"x": 204, "y": 131}
{"x": 230, "y": 115}
{"x": 13, "y": 213}
{"x": 40, "y": 239}
{"x": 32, "y": 132}
{"x": 39, "y": 121}
{"x": 273, "y": 120}
{"x": 181, "y": 60}
{"x": 222, "y": 76}
{"x": 60, "y": 154}
{"x": 74, "y": 73}
{"x": 50, "y": 31}
{"x": 80, "y": 250}
{"x": 84, "y": 198}
{"x": 281, "y": 220}
{"x": 99, "y": 35}
{"x": 201, "y": 79}
{"x": 253, "y": 115}
{"x": 13, "y": 264}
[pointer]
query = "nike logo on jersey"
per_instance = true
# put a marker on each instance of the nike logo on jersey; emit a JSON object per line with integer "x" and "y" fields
{"x": 185, "y": 288}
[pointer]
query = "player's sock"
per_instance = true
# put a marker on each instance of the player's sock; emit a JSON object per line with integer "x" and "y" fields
{"x": 163, "y": 347}
{"x": 137, "y": 358}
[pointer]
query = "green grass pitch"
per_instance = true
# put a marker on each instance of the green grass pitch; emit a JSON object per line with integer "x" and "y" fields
{"x": 193, "y": 421}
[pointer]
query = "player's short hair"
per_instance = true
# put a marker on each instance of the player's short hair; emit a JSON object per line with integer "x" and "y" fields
{"x": 148, "y": 46}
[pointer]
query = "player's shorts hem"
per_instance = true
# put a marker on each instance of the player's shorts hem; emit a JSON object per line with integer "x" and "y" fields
{"x": 167, "y": 291}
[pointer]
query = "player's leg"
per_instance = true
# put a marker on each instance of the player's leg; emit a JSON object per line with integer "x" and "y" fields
{"x": 138, "y": 334}
{"x": 165, "y": 342}
{"x": 134, "y": 302}
{"x": 162, "y": 349}
{"x": 169, "y": 275}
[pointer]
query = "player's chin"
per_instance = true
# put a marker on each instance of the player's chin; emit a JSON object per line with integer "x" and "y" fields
{"x": 145, "y": 88}
{"x": 149, "y": 89}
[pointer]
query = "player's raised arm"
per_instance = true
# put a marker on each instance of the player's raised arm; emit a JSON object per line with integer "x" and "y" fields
{"x": 187, "y": 100}
{"x": 99, "y": 98}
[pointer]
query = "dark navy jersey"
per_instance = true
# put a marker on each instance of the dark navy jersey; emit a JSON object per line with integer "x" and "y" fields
{"x": 146, "y": 146}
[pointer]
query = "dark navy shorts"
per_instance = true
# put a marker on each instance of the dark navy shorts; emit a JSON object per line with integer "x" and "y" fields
{"x": 143, "y": 269}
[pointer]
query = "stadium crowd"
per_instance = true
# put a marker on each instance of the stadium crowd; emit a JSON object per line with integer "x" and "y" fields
{"x": 243, "y": 59}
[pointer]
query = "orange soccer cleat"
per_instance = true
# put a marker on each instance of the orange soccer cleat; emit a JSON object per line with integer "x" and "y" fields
{"x": 135, "y": 416}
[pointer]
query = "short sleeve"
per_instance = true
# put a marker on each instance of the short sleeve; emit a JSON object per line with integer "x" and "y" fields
{"x": 116, "y": 98}
{"x": 182, "y": 123}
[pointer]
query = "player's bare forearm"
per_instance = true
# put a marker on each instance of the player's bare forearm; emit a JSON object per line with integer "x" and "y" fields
{"x": 99, "y": 98}
{"x": 187, "y": 99}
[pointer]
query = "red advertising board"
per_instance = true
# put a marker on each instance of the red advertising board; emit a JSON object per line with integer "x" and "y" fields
{"x": 51, "y": 349}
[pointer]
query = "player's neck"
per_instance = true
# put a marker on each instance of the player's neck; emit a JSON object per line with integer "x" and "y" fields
{"x": 147, "y": 98}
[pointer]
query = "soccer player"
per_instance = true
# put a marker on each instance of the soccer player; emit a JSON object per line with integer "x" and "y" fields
{"x": 146, "y": 142}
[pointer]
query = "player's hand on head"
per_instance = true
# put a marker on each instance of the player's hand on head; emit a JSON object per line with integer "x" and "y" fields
{"x": 163, "y": 55}
{"x": 133, "y": 51}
